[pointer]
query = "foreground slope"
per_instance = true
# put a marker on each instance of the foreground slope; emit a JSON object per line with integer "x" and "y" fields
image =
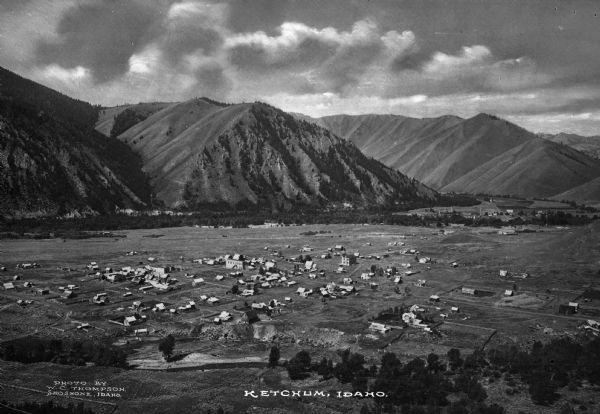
{"x": 482, "y": 154}
{"x": 200, "y": 152}
{"x": 53, "y": 162}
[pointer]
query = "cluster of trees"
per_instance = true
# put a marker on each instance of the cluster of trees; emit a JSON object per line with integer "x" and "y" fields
{"x": 424, "y": 385}
{"x": 49, "y": 407}
{"x": 548, "y": 367}
{"x": 226, "y": 216}
{"x": 31, "y": 350}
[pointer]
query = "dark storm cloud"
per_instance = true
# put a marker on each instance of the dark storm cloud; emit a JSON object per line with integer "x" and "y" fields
{"x": 101, "y": 36}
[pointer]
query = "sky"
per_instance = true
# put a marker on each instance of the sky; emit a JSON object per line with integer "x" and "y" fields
{"x": 535, "y": 63}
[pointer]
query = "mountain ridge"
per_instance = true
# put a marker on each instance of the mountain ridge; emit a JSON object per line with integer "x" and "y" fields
{"x": 454, "y": 154}
{"x": 200, "y": 152}
{"x": 53, "y": 162}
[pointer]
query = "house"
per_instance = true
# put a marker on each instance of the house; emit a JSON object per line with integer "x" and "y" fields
{"x": 198, "y": 281}
{"x": 397, "y": 280}
{"x": 67, "y": 294}
{"x": 347, "y": 288}
{"x": 225, "y": 316}
{"x": 347, "y": 260}
{"x": 308, "y": 265}
{"x": 508, "y": 292}
{"x": 219, "y": 277}
{"x": 454, "y": 309}
{"x": 235, "y": 262}
{"x": 116, "y": 277}
{"x": 347, "y": 281}
{"x": 365, "y": 276}
{"x": 142, "y": 331}
{"x": 43, "y": 291}
{"x": 213, "y": 300}
{"x": 9, "y": 286}
{"x": 421, "y": 283}
{"x": 306, "y": 293}
{"x": 248, "y": 292}
{"x": 469, "y": 291}
{"x": 379, "y": 327}
{"x": 434, "y": 298}
{"x": 131, "y": 320}
{"x": 503, "y": 273}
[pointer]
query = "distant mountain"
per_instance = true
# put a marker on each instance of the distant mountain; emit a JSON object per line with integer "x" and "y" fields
{"x": 482, "y": 154}
{"x": 587, "y": 145}
{"x": 53, "y": 162}
{"x": 202, "y": 153}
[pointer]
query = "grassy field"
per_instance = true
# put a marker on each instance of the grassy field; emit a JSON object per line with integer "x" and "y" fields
{"x": 561, "y": 263}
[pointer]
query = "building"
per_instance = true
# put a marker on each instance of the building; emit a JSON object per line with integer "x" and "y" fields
{"x": 469, "y": 291}
{"x": 434, "y": 298}
{"x": 9, "y": 286}
{"x": 235, "y": 262}
{"x": 379, "y": 327}
{"x": 348, "y": 260}
{"x": 116, "y": 277}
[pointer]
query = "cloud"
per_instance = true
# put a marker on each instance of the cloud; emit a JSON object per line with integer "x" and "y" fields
{"x": 99, "y": 37}
{"x": 326, "y": 58}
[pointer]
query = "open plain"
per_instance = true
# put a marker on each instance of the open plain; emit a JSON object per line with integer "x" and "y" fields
{"x": 457, "y": 286}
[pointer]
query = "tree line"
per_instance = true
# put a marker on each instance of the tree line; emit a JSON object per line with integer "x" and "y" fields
{"x": 423, "y": 385}
{"x": 31, "y": 350}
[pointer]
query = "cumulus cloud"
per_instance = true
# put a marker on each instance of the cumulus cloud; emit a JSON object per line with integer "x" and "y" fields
{"x": 114, "y": 52}
{"x": 327, "y": 58}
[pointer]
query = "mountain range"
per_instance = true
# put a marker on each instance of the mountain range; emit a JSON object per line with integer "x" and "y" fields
{"x": 200, "y": 153}
{"x": 61, "y": 156}
{"x": 482, "y": 154}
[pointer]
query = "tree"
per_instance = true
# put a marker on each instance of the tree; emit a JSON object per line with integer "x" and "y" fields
{"x": 303, "y": 357}
{"x": 166, "y": 346}
{"x": 454, "y": 358}
{"x": 235, "y": 290}
{"x": 542, "y": 389}
{"x": 274, "y": 356}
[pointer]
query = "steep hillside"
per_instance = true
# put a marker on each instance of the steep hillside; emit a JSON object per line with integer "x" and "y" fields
{"x": 115, "y": 120}
{"x": 483, "y": 154}
{"x": 587, "y": 145}
{"x": 53, "y": 162}
{"x": 200, "y": 152}
{"x": 588, "y": 192}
